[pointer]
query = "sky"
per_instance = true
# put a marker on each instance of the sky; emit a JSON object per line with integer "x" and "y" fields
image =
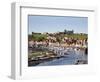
{"x": 53, "y": 24}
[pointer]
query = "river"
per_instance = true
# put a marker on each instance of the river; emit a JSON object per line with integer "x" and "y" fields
{"x": 71, "y": 59}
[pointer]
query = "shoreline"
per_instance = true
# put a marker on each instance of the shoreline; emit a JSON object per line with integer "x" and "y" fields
{"x": 36, "y": 62}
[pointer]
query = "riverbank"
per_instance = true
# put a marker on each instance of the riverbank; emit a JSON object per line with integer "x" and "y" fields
{"x": 35, "y": 62}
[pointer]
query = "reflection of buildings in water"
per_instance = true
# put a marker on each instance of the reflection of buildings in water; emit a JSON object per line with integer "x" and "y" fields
{"x": 68, "y": 60}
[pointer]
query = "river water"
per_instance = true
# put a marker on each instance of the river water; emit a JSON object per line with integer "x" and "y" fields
{"x": 69, "y": 59}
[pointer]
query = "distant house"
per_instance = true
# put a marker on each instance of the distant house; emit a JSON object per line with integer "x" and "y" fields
{"x": 64, "y": 39}
{"x": 51, "y": 38}
{"x": 66, "y": 32}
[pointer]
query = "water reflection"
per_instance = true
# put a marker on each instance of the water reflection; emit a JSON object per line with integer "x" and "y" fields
{"x": 73, "y": 57}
